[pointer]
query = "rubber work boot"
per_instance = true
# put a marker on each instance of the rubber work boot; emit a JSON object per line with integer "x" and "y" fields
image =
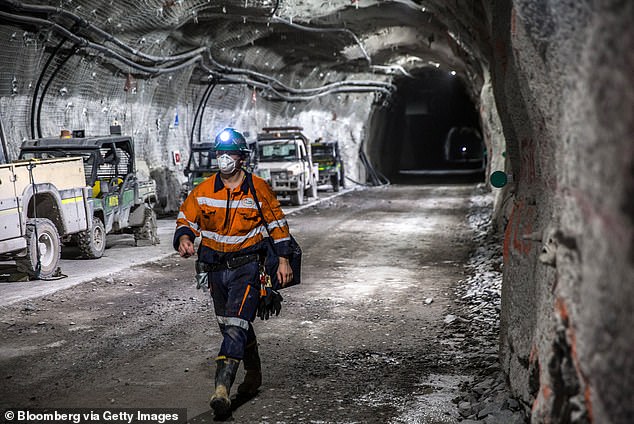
{"x": 226, "y": 369}
{"x": 253, "y": 377}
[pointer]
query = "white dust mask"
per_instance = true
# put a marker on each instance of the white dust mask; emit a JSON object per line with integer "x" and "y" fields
{"x": 227, "y": 164}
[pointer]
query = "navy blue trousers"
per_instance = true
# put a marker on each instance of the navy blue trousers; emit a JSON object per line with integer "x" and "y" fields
{"x": 236, "y": 293}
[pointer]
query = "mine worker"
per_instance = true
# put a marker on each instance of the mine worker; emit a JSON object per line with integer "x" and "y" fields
{"x": 222, "y": 212}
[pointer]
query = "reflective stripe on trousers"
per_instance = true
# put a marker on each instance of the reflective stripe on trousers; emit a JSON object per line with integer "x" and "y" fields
{"x": 235, "y": 293}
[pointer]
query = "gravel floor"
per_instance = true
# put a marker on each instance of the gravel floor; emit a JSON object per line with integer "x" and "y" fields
{"x": 396, "y": 321}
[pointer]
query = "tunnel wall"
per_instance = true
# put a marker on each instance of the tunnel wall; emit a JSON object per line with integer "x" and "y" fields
{"x": 381, "y": 147}
{"x": 563, "y": 79}
{"x": 495, "y": 144}
{"x": 91, "y": 92}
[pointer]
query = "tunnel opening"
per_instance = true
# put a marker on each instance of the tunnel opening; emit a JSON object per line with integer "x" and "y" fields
{"x": 432, "y": 131}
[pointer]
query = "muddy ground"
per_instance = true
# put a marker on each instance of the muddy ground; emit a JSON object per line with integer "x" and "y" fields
{"x": 364, "y": 339}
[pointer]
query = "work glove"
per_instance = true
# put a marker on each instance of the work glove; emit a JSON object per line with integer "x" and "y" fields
{"x": 270, "y": 300}
{"x": 202, "y": 276}
{"x": 270, "y": 303}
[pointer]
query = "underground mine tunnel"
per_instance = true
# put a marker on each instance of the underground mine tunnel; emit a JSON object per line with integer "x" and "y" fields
{"x": 534, "y": 99}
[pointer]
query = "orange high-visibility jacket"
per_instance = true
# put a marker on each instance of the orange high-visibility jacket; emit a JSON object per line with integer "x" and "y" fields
{"x": 228, "y": 221}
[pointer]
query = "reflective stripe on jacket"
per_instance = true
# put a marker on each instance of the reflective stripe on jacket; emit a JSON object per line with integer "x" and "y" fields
{"x": 228, "y": 220}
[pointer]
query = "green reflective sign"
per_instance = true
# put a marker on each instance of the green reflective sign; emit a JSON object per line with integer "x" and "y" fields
{"x": 498, "y": 179}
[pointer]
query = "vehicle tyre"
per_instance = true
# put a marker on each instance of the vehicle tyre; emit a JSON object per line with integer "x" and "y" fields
{"x": 92, "y": 242}
{"x": 297, "y": 198}
{"x": 42, "y": 237}
{"x": 335, "y": 182}
{"x": 147, "y": 233}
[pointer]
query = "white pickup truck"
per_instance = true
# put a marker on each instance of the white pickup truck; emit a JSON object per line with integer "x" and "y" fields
{"x": 284, "y": 160}
{"x": 41, "y": 200}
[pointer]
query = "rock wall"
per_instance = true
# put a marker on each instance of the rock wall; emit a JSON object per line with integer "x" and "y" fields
{"x": 563, "y": 82}
{"x": 497, "y": 159}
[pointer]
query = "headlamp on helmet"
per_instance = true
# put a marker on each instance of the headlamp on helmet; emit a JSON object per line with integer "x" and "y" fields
{"x": 230, "y": 140}
{"x": 224, "y": 136}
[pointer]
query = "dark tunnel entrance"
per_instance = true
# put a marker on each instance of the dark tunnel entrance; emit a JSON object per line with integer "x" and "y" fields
{"x": 432, "y": 130}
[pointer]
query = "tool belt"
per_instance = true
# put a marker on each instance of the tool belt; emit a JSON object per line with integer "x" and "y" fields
{"x": 235, "y": 262}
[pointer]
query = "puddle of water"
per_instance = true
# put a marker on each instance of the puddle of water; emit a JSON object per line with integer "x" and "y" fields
{"x": 431, "y": 402}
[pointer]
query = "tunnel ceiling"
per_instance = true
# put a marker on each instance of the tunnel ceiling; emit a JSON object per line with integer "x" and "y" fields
{"x": 391, "y": 38}
{"x": 307, "y": 39}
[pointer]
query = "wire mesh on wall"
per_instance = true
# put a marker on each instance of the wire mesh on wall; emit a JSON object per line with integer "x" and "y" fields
{"x": 20, "y": 58}
{"x": 92, "y": 80}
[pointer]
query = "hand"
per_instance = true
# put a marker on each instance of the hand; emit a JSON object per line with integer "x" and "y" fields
{"x": 185, "y": 246}
{"x": 284, "y": 272}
